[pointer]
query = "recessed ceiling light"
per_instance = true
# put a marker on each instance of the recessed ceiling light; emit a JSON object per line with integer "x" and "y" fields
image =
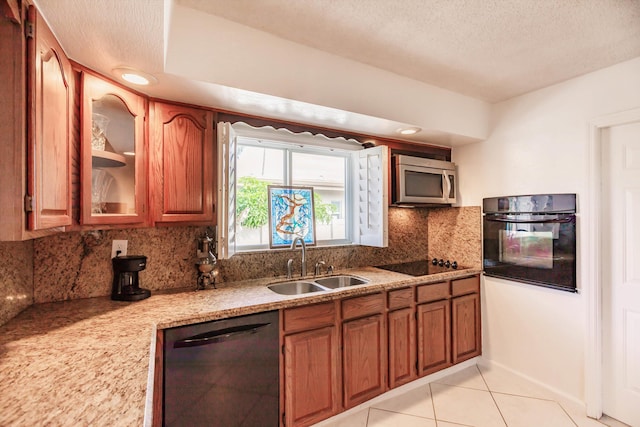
{"x": 409, "y": 131}
{"x": 135, "y": 76}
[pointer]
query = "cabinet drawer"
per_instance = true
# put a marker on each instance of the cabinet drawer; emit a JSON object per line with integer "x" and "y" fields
{"x": 432, "y": 292}
{"x": 362, "y": 306}
{"x": 400, "y": 298}
{"x": 309, "y": 317}
{"x": 465, "y": 286}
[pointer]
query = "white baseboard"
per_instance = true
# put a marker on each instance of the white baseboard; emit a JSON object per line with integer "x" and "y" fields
{"x": 559, "y": 394}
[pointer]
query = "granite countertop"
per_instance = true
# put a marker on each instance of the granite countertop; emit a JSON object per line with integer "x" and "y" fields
{"x": 89, "y": 361}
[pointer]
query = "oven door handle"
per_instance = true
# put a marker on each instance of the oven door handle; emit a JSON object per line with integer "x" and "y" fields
{"x": 222, "y": 335}
{"x": 562, "y": 220}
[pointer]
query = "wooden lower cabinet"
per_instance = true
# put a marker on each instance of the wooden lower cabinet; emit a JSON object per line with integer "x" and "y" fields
{"x": 466, "y": 327}
{"x": 310, "y": 365}
{"x": 311, "y": 385}
{"x": 386, "y": 339}
{"x": 434, "y": 336}
{"x": 402, "y": 346}
{"x": 363, "y": 359}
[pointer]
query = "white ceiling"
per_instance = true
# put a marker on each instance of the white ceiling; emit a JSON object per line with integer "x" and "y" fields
{"x": 487, "y": 50}
{"x": 492, "y": 50}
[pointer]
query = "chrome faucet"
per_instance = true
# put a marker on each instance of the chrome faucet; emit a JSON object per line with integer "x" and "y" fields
{"x": 316, "y": 272}
{"x": 289, "y": 264}
{"x": 304, "y": 253}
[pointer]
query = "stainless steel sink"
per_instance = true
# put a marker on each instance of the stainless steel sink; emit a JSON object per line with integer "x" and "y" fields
{"x": 296, "y": 287}
{"x": 334, "y": 282}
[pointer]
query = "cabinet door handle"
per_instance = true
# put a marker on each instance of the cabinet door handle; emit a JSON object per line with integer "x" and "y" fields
{"x": 219, "y": 336}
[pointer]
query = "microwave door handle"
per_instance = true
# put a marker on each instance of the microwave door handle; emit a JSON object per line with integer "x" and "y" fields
{"x": 445, "y": 195}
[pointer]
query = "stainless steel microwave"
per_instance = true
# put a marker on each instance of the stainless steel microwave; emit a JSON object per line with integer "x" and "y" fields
{"x": 420, "y": 181}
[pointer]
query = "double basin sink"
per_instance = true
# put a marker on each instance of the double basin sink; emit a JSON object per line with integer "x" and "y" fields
{"x": 296, "y": 287}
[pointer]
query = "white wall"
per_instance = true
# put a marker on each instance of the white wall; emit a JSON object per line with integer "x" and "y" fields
{"x": 208, "y": 48}
{"x": 539, "y": 143}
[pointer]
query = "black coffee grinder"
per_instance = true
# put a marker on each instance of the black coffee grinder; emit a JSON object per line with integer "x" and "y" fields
{"x": 125, "y": 278}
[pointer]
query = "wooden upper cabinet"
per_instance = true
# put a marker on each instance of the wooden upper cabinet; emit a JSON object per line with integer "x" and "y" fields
{"x": 182, "y": 164}
{"x": 49, "y": 101}
{"x": 37, "y": 87}
{"x": 113, "y": 176}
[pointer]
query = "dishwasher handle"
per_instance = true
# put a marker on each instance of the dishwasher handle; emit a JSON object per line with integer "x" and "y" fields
{"x": 221, "y": 335}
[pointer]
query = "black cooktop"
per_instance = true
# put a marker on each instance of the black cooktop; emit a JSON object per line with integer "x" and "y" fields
{"x": 420, "y": 267}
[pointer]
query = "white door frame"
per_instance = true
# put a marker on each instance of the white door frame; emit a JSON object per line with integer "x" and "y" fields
{"x": 593, "y": 348}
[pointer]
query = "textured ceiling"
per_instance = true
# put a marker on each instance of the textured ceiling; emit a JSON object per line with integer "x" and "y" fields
{"x": 488, "y": 49}
{"x": 383, "y": 62}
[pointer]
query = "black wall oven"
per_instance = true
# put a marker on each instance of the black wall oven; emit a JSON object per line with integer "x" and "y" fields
{"x": 531, "y": 239}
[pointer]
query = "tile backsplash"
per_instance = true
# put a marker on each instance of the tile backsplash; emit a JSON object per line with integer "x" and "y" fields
{"x": 77, "y": 264}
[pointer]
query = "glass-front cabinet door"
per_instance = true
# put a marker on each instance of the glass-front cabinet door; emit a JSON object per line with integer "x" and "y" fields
{"x": 113, "y": 175}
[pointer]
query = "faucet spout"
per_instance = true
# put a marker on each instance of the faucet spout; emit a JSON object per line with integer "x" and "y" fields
{"x": 304, "y": 253}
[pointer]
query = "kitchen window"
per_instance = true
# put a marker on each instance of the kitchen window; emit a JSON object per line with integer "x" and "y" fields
{"x": 349, "y": 185}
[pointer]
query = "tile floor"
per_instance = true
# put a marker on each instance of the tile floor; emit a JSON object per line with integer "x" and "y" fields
{"x": 477, "y": 396}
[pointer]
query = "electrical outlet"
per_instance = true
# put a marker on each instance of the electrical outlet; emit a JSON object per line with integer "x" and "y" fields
{"x": 118, "y": 245}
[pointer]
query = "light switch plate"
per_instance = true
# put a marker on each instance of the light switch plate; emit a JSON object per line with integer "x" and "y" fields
{"x": 119, "y": 245}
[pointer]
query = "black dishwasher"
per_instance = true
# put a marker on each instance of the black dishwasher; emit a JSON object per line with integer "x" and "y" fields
{"x": 222, "y": 373}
